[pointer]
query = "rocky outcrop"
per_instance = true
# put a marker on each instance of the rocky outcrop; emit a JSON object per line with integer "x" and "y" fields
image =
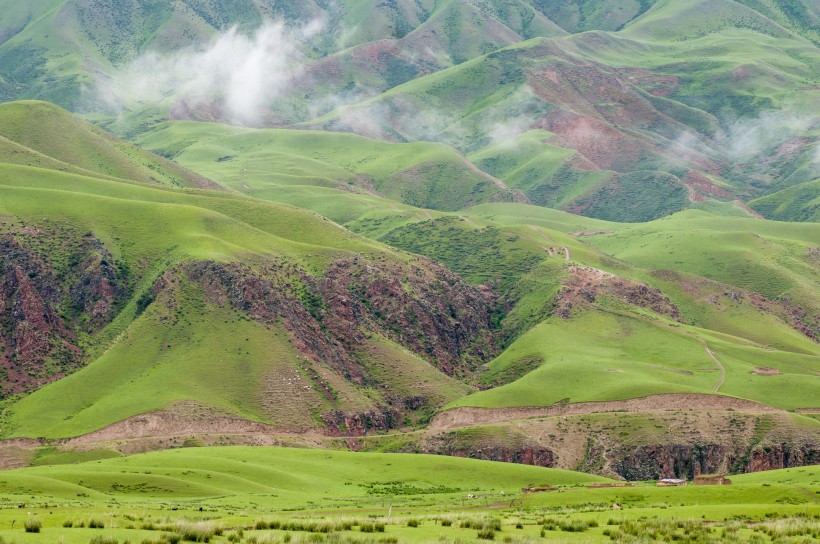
{"x": 584, "y": 285}
{"x": 32, "y": 332}
{"x": 53, "y": 285}
{"x": 421, "y": 306}
{"x": 340, "y": 423}
{"x": 530, "y": 455}
{"x": 99, "y": 288}
{"x": 784, "y": 455}
{"x": 652, "y": 462}
{"x": 417, "y": 304}
{"x": 690, "y": 460}
{"x": 662, "y": 436}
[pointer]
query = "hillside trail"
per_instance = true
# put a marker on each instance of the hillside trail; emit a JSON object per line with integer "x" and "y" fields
{"x": 718, "y": 385}
{"x": 547, "y": 238}
{"x": 709, "y": 352}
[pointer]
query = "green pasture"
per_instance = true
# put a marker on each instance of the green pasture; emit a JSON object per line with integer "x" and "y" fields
{"x": 262, "y": 495}
{"x": 612, "y": 356}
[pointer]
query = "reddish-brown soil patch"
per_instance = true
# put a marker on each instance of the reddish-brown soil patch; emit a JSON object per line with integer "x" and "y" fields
{"x": 766, "y": 371}
{"x": 590, "y": 232}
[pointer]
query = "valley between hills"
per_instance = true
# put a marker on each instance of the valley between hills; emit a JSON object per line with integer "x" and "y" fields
{"x": 436, "y": 269}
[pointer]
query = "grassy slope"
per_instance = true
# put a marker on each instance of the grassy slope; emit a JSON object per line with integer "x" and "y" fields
{"x": 152, "y": 366}
{"x": 544, "y": 172}
{"x": 637, "y": 353}
{"x": 259, "y": 162}
{"x": 147, "y": 365}
{"x": 786, "y": 263}
{"x": 43, "y": 135}
{"x": 798, "y": 203}
{"x": 764, "y": 256}
{"x": 169, "y": 222}
{"x": 769, "y": 257}
{"x": 144, "y": 365}
{"x": 755, "y": 67}
{"x": 221, "y": 360}
{"x": 649, "y": 256}
{"x": 236, "y": 487}
{"x": 596, "y": 356}
{"x": 278, "y": 477}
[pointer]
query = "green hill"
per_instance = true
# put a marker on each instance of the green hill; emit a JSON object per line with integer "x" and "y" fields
{"x": 285, "y": 477}
{"x": 261, "y": 162}
{"x": 110, "y": 282}
{"x": 798, "y": 203}
{"x": 42, "y": 135}
{"x": 682, "y": 116}
{"x": 575, "y": 234}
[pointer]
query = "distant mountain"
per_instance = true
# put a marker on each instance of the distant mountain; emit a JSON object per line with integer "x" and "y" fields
{"x": 685, "y": 100}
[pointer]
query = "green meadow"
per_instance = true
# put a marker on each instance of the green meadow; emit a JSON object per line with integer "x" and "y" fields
{"x": 259, "y": 495}
{"x": 612, "y": 356}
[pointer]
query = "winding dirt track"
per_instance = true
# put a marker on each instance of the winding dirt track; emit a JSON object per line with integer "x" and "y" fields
{"x": 469, "y": 416}
{"x": 547, "y": 238}
{"x": 720, "y": 366}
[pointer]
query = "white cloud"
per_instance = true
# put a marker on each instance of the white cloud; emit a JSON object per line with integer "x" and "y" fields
{"x": 749, "y": 137}
{"x": 242, "y": 72}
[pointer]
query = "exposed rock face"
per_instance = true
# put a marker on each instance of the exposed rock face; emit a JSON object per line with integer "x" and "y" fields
{"x": 360, "y": 423}
{"x": 30, "y": 294}
{"x": 43, "y": 305}
{"x": 645, "y": 462}
{"x": 98, "y": 288}
{"x": 688, "y": 460}
{"x": 422, "y": 306}
{"x": 32, "y": 331}
{"x": 664, "y": 436}
{"x": 586, "y": 284}
{"x": 419, "y": 305}
{"x": 671, "y": 461}
{"x": 782, "y": 456}
{"x": 531, "y": 455}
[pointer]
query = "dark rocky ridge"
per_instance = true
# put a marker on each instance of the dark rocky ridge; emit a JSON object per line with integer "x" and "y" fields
{"x": 419, "y": 305}
{"x": 689, "y": 460}
{"x": 48, "y": 298}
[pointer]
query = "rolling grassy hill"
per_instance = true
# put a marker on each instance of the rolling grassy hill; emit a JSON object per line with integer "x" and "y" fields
{"x": 168, "y": 256}
{"x": 39, "y": 134}
{"x": 707, "y": 253}
{"x": 611, "y": 357}
{"x": 451, "y": 209}
{"x": 645, "y": 122}
{"x": 273, "y": 494}
{"x": 260, "y": 162}
{"x": 280, "y": 477}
